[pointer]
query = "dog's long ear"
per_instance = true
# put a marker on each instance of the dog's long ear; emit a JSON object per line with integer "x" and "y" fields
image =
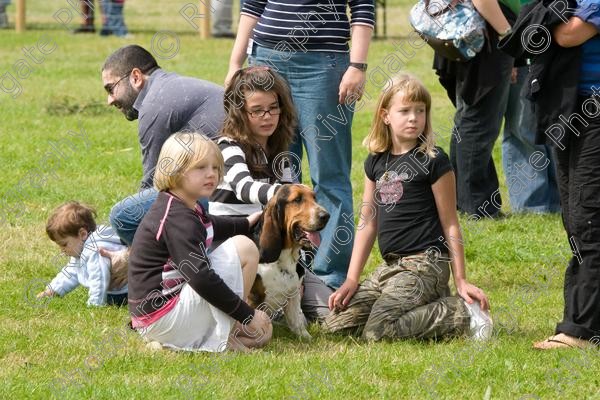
{"x": 271, "y": 238}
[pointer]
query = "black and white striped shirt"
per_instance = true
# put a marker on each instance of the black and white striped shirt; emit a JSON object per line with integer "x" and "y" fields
{"x": 306, "y": 25}
{"x": 239, "y": 193}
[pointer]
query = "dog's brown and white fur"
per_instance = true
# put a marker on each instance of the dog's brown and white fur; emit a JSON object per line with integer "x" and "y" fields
{"x": 288, "y": 220}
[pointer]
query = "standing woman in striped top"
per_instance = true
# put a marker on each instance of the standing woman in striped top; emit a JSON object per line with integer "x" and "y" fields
{"x": 307, "y": 42}
{"x": 254, "y": 141}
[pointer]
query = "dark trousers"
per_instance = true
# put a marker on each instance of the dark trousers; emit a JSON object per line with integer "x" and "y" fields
{"x": 579, "y": 188}
{"x": 477, "y": 127}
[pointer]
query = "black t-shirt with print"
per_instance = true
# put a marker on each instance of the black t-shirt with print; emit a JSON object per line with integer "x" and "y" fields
{"x": 407, "y": 217}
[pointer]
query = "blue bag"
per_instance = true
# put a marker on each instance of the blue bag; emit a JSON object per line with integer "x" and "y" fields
{"x": 453, "y": 28}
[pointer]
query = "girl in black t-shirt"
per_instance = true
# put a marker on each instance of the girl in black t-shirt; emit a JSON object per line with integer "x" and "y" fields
{"x": 410, "y": 198}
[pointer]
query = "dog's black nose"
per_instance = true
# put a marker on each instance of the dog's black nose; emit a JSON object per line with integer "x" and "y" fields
{"x": 323, "y": 216}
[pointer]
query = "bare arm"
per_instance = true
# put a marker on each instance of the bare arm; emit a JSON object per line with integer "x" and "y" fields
{"x": 574, "y": 33}
{"x": 238, "y": 54}
{"x": 444, "y": 192}
{"x": 366, "y": 233}
{"x": 491, "y": 12}
{"x": 353, "y": 80}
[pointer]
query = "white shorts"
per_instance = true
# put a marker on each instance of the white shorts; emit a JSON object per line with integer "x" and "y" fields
{"x": 193, "y": 324}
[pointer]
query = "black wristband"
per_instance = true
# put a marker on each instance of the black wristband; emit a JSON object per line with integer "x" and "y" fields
{"x": 360, "y": 66}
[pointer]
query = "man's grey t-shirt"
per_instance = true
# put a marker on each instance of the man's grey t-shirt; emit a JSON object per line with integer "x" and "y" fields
{"x": 171, "y": 103}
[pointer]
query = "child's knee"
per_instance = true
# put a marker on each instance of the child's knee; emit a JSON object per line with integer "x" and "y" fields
{"x": 247, "y": 250}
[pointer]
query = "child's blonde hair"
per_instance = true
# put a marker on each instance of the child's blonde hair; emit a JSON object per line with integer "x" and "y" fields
{"x": 68, "y": 219}
{"x": 181, "y": 152}
{"x": 379, "y": 138}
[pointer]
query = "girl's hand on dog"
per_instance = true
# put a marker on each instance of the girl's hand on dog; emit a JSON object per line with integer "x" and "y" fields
{"x": 341, "y": 297}
{"x": 253, "y": 218}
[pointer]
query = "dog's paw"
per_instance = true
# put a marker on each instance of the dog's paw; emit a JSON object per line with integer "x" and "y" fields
{"x": 303, "y": 333}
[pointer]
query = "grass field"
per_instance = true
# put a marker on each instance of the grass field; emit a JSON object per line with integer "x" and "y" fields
{"x": 59, "y": 141}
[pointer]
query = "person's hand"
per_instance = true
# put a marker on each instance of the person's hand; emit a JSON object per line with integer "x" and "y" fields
{"x": 253, "y": 218}
{"x": 472, "y": 293}
{"x": 340, "y": 298}
{"x": 119, "y": 261}
{"x": 46, "y": 293}
{"x": 260, "y": 327}
{"x": 352, "y": 85}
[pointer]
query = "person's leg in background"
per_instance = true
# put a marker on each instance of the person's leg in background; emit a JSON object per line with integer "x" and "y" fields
{"x": 581, "y": 318}
{"x": 529, "y": 168}
{"x": 107, "y": 18}
{"x": 3, "y": 15}
{"x": 478, "y": 126}
{"x": 87, "y": 10}
{"x": 114, "y": 22}
{"x": 222, "y": 19}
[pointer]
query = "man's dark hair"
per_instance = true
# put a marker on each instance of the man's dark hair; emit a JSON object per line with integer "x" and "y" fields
{"x": 129, "y": 57}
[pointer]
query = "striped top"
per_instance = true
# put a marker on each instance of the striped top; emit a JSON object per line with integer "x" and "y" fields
{"x": 240, "y": 193}
{"x": 305, "y": 25}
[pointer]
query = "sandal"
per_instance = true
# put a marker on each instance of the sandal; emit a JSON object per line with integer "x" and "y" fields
{"x": 562, "y": 341}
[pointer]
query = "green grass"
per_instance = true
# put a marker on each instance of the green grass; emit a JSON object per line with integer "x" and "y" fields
{"x": 62, "y": 349}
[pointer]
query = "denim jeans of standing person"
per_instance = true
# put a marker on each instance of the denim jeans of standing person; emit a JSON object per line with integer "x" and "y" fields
{"x": 325, "y": 131}
{"x": 113, "y": 14}
{"x": 530, "y": 169}
{"x": 478, "y": 126}
{"x": 126, "y": 215}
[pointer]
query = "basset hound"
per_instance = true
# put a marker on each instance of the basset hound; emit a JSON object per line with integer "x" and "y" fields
{"x": 291, "y": 221}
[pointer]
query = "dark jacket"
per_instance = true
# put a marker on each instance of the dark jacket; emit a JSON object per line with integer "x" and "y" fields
{"x": 554, "y": 70}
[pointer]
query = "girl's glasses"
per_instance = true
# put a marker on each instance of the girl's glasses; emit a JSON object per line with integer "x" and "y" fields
{"x": 261, "y": 113}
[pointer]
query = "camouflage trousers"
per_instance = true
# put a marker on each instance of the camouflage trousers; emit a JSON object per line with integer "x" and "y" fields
{"x": 408, "y": 297}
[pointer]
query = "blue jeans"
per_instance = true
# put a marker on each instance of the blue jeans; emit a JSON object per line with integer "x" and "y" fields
{"x": 126, "y": 215}
{"x": 529, "y": 168}
{"x": 113, "y": 13}
{"x": 325, "y": 130}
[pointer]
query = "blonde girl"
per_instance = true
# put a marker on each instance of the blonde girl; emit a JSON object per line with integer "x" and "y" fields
{"x": 410, "y": 202}
{"x": 182, "y": 295}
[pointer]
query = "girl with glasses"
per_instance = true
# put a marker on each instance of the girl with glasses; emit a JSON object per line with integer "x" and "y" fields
{"x": 258, "y": 129}
{"x": 256, "y": 135}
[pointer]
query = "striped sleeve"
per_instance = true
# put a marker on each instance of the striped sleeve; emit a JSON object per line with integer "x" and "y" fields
{"x": 253, "y": 8}
{"x": 362, "y": 12}
{"x": 237, "y": 176}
